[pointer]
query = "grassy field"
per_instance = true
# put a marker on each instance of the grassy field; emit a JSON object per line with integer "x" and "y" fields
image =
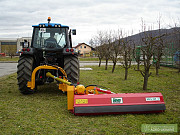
{"x": 9, "y": 58}
{"x": 45, "y": 111}
{"x": 80, "y": 58}
{"x": 91, "y": 59}
{"x": 88, "y": 59}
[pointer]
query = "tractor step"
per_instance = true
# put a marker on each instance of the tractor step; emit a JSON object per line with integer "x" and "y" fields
{"x": 118, "y": 103}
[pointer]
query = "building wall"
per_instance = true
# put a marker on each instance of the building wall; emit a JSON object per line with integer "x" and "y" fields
{"x": 84, "y": 49}
{"x": 8, "y": 46}
{"x": 12, "y": 45}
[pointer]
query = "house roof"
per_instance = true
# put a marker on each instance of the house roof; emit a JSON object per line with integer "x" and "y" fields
{"x": 83, "y": 44}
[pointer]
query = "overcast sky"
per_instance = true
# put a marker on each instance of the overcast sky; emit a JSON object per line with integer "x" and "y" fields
{"x": 86, "y": 16}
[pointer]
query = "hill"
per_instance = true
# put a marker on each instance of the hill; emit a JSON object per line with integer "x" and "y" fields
{"x": 171, "y": 36}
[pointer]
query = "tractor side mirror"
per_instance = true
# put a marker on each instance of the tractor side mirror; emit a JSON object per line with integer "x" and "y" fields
{"x": 25, "y": 44}
{"x": 74, "y": 31}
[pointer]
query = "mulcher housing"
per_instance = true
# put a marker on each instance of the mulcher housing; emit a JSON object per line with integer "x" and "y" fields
{"x": 118, "y": 103}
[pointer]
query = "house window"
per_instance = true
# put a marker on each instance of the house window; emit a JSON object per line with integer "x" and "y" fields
{"x": 84, "y": 46}
{"x": 80, "y": 46}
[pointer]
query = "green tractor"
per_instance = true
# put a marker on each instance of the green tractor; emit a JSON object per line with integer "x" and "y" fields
{"x": 51, "y": 45}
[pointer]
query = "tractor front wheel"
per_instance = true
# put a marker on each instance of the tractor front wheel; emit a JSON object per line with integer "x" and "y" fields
{"x": 24, "y": 71}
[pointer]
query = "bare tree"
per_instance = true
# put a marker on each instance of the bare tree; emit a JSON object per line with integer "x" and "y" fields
{"x": 148, "y": 49}
{"x": 97, "y": 42}
{"x": 91, "y": 42}
{"x": 115, "y": 49}
{"x": 100, "y": 54}
{"x": 149, "y": 44}
{"x": 158, "y": 52}
{"x": 107, "y": 46}
{"x": 159, "y": 47}
{"x": 147, "y": 52}
{"x": 127, "y": 55}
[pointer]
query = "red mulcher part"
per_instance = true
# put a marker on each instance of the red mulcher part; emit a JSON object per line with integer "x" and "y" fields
{"x": 111, "y": 103}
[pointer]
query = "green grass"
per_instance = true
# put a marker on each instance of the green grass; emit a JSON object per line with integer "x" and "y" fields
{"x": 9, "y": 58}
{"x": 94, "y": 59}
{"x": 45, "y": 111}
{"x": 80, "y": 58}
{"x": 88, "y": 59}
{"x": 91, "y": 59}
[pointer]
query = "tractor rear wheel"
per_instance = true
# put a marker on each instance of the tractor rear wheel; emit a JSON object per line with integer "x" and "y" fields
{"x": 24, "y": 71}
{"x": 71, "y": 67}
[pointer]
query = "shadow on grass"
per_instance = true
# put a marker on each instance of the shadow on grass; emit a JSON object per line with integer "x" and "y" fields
{"x": 124, "y": 114}
{"x": 51, "y": 88}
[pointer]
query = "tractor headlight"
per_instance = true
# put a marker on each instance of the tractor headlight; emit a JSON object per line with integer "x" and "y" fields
{"x": 55, "y": 25}
{"x": 43, "y": 25}
{"x": 59, "y": 25}
{"x": 40, "y": 25}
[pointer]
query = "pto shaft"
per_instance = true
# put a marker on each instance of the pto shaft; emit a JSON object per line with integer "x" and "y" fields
{"x": 48, "y": 74}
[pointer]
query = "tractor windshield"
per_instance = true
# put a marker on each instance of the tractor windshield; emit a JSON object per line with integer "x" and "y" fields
{"x": 49, "y": 38}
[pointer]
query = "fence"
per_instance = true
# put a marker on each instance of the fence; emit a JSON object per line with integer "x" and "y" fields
{"x": 171, "y": 57}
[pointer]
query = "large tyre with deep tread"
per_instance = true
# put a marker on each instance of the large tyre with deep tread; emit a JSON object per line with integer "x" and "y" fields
{"x": 71, "y": 67}
{"x": 24, "y": 71}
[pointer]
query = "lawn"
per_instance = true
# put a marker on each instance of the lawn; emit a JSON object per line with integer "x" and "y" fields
{"x": 9, "y": 59}
{"x": 45, "y": 111}
{"x": 88, "y": 59}
{"x": 80, "y": 58}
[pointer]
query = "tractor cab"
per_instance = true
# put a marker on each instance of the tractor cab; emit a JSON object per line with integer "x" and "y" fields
{"x": 51, "y": 36}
